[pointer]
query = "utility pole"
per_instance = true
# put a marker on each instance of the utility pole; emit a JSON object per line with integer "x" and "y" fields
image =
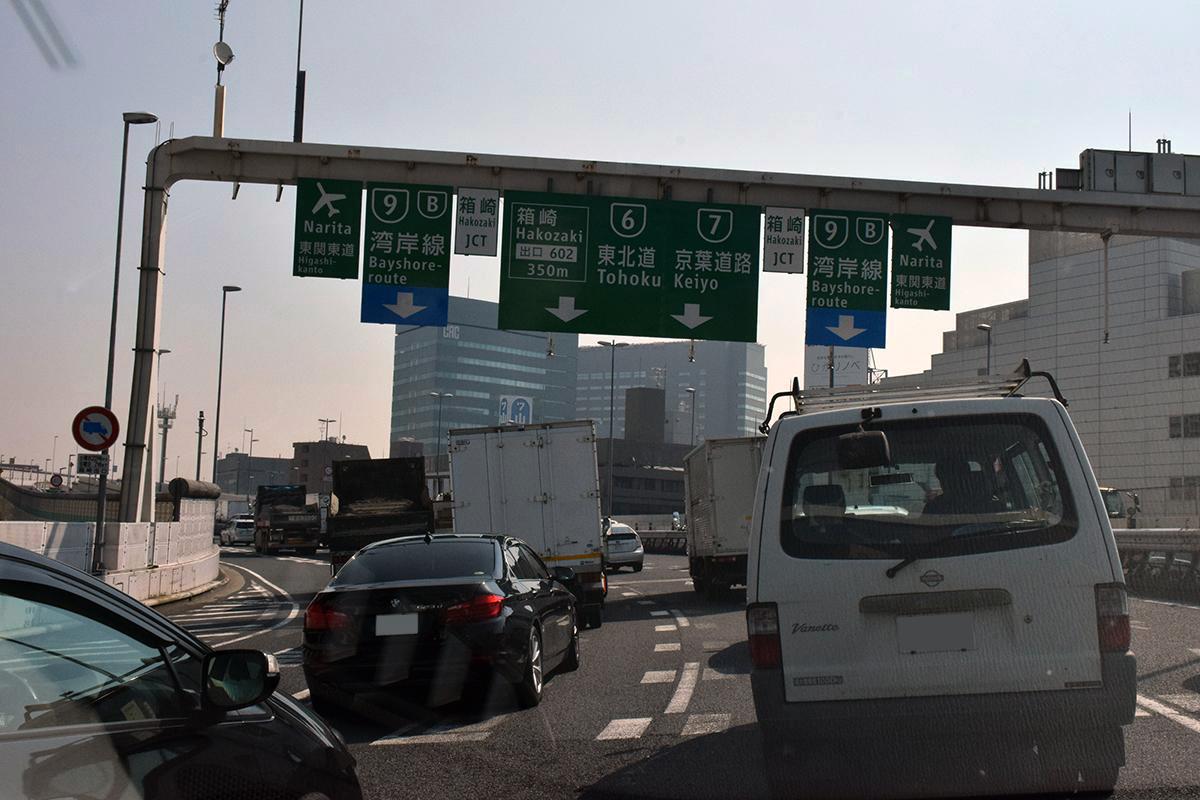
{"x": 166, "y": 420}
{"x": 200, "y": 434}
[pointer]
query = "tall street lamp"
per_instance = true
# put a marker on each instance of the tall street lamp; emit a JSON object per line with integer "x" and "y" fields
{"x": 249, "y": 461}
{"x": 225, "y": 290}
{"x": 692, "y": 395}
{"x": 437, "y": 455}
{"x": 54, "y": 451}
{"x": 129, "y": 118}
{"x": 983, "y": 326}
{"x": 612, "y": 391}
{"x": 165, "y": 417}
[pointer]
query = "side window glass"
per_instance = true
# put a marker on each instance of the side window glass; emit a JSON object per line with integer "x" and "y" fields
{"x": 512, "y": 559}
{"x": 59, "y": 665}
{"x": 539, "y": 570}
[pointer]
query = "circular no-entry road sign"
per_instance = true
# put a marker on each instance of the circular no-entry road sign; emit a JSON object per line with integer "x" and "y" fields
{"x": 56, "y": 480}
{"x": 95, "y": 428}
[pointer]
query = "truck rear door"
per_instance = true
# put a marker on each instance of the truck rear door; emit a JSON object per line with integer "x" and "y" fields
{"x": 571, "y": 483}
{"x": 519, "y": 507}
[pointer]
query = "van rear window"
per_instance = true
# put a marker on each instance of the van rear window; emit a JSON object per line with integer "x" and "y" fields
{"x": 955, "y": 485}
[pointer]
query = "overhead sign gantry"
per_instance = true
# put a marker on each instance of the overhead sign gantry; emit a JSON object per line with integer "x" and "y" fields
{"x": 278, "y": 163}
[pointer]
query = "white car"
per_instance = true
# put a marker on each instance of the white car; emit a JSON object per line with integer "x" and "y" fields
{"x": 995, "y": 614}
{"x": 239, "y": 531}
{"x": 623, "y": 548}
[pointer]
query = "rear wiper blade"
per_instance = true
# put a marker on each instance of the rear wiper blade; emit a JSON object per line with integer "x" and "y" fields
{"x": 1018, "y": 526}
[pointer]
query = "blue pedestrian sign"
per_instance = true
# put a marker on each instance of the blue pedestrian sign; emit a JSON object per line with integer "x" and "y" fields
{"x": 842, "y": 327}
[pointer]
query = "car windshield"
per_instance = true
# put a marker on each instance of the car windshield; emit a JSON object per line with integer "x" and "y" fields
{"x": 419, "y": 560}
{"x": 970, "y": 484}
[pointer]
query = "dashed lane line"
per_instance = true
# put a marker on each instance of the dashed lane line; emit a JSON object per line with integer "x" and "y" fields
{"x": 659, "y": 613}
{"x": 667, "y": 647}
{"x": 624, "y": 728}
{"x": 659, "y": 676}
{"x": 645, "y": 602}
{"x": 1170, "y": 713}
{"x": 684, "y": 689}
{"x": 665, "y": 628}
{"x": 713, "y": 647}
{"x": 680, "y": 619}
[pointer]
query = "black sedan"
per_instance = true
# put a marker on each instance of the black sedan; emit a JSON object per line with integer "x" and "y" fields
{"x": 446, "y": 613}
{"x": 101, "y": 696}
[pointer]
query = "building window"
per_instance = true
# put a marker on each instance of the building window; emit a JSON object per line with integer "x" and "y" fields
{"x": 1175, "y": 427}
{"x": 1186, "y": 488}
{"x": 1191, "y": 364}
{"x": 1174, "y": 366}
{"x": 1191, "y": 426}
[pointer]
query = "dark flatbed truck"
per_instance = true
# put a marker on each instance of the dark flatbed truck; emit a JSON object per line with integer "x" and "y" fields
{"x": 282, "y": 520}
{"x": 375, "y": 499}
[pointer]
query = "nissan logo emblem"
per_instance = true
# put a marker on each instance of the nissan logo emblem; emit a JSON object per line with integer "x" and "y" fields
{"x": 932, "y": 578}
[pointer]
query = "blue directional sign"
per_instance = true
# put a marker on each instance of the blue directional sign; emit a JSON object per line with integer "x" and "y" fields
{"x": 516, "y": 410}
{"x": 846, "y": 327}
{"x": 416, "y": 305}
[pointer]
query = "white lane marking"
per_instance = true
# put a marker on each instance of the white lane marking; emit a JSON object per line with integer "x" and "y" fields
{"x": 1165, "y": 603}
{"x": 680, "y": 619}
{"x": 701, "y": 724}
{"x": 644, "y": 602}
{"x": 629, "y": 594}
{"x": 1141, "y": 712}
{"x": 711, "y": 674}
{"x": 291, "y": 614}
{"x": 683, "y": 691}
{"x": 659, "y": 613}
{"x": 712, "y": 647}
{"x": 665, "y": 628}
{"x": 302, "y": 694}
{"x": 1169, "y": 713}
{"x": 659, "y": 676}
{"x": 667, "y": 647}
{"x": 1194, "y": 651}
{"x": 623, "y": 585}
{"x": 625, "y": 728}
{"x": 1139, "y": 626}
{"x": 1189, "y": 701}
{"x": 433, "y": 738}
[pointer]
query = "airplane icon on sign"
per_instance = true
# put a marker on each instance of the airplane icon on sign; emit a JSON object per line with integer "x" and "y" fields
{"x": 924, "y": 235}
{"x": 327, "y": 200}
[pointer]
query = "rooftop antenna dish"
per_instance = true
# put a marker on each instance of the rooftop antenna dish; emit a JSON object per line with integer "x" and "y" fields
{"x": 223, "y": 53}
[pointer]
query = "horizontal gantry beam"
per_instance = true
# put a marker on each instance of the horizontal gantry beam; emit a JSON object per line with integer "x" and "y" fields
{"x": 253, "y": 161}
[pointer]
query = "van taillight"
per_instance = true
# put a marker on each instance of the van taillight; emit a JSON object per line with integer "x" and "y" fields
{"x": 762, "y": 630}
{"x": 320, "y": 617}
{"x": 477, "y": 609}
{"x": 1112, "y": 617}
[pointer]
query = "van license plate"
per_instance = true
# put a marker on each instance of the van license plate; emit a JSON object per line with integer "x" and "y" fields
{"x": 935, "y": 633}
{"x": 396, "y": 624}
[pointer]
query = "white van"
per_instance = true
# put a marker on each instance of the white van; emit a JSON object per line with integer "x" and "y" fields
{"x": 995, "y": 609}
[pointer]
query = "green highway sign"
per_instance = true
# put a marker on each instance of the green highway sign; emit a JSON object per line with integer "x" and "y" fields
{"x": 328, "y": 228}
{"x": 631, "y": 267}
{"x": 847, "y": 278}
{"x": 921, "y": 262}
{"x": 406, "y": 254}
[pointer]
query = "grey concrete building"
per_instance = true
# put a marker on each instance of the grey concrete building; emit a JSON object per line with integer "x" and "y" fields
{"x": 1124, "y": 344}
{"x": 242, "y": 474}
{"x": 310, "y": 459}
{"x": 730, "y": 379}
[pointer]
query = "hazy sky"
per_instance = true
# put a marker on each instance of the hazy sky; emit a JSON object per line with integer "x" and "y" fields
{"x": 961, "y": 92}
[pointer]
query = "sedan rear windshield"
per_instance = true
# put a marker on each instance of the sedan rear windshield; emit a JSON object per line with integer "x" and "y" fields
{"x": 955, "y": 485}
{"x": 418, "y": 559}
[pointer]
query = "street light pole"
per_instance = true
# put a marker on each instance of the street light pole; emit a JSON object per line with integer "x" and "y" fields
{"x": 612, "y": 390}
{"x": 249, "y": 463}
{"x": 225, "y": 290}
{"x": 437, "y": 456}
{"x": 54, "y": 451}
{"x": 691, "y": 391}
{"x": 988, "y": 330}
{"x": 128, "y": 118}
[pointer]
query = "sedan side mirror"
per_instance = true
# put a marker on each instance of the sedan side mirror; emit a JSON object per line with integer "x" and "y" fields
{"x": 235, "y": 679}
{"x": 565, "y": 575}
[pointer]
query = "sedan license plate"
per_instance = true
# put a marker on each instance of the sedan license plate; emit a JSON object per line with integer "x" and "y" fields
{"x": 396, "y": 624}
{"x": 935, "y": 633}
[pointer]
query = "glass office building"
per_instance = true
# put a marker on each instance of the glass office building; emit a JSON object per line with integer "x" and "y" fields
{"x": 730, "y": 379}
{"x": 482, "y": 375}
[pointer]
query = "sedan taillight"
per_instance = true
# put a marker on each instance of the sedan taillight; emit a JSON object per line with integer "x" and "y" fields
{"x": 762, "y": 629}
{"x": 479, "y": 608}
{"x": 319, "y": 616}
{"x": 1112, "y": 617}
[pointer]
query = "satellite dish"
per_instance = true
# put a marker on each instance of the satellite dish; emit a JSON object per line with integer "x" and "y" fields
{"x": 223, "y": 53}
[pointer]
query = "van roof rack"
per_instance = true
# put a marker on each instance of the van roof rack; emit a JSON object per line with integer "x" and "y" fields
{"x": 821, "y": 399}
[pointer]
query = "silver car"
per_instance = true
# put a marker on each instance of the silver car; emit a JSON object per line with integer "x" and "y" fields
{"x": 239, "y": 531}
{"x": 623, "y": 548}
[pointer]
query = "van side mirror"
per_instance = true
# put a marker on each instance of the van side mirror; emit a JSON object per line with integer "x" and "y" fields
{"x": 863, "y": 450}
{"x": 235, "y": 679}
{"x": 564, "y": 575}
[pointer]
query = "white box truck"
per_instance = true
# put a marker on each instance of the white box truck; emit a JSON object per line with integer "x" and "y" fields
{"x": 540, "y": 484}
{"x": 719, "y": 481}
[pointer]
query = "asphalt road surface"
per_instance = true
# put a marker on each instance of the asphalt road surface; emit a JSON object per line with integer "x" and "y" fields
{"x": 661, "y": 706}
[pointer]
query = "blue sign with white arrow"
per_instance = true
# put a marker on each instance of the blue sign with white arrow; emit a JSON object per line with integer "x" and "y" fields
{"x": 846, "y": 327}
{"x": 416, "y": 305}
